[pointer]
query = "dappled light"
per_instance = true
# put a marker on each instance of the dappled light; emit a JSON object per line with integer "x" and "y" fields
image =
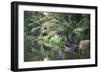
{"x": 56, "y": 36}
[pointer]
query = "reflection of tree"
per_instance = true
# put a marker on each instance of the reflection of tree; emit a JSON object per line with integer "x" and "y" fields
{"x": 55, "y": 35}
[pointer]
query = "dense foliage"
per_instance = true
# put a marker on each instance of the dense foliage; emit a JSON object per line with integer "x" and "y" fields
{"x": 56, "y": 36}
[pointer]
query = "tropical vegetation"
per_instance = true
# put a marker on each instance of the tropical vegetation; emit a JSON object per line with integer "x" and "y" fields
{"x": 56, "y": 36}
